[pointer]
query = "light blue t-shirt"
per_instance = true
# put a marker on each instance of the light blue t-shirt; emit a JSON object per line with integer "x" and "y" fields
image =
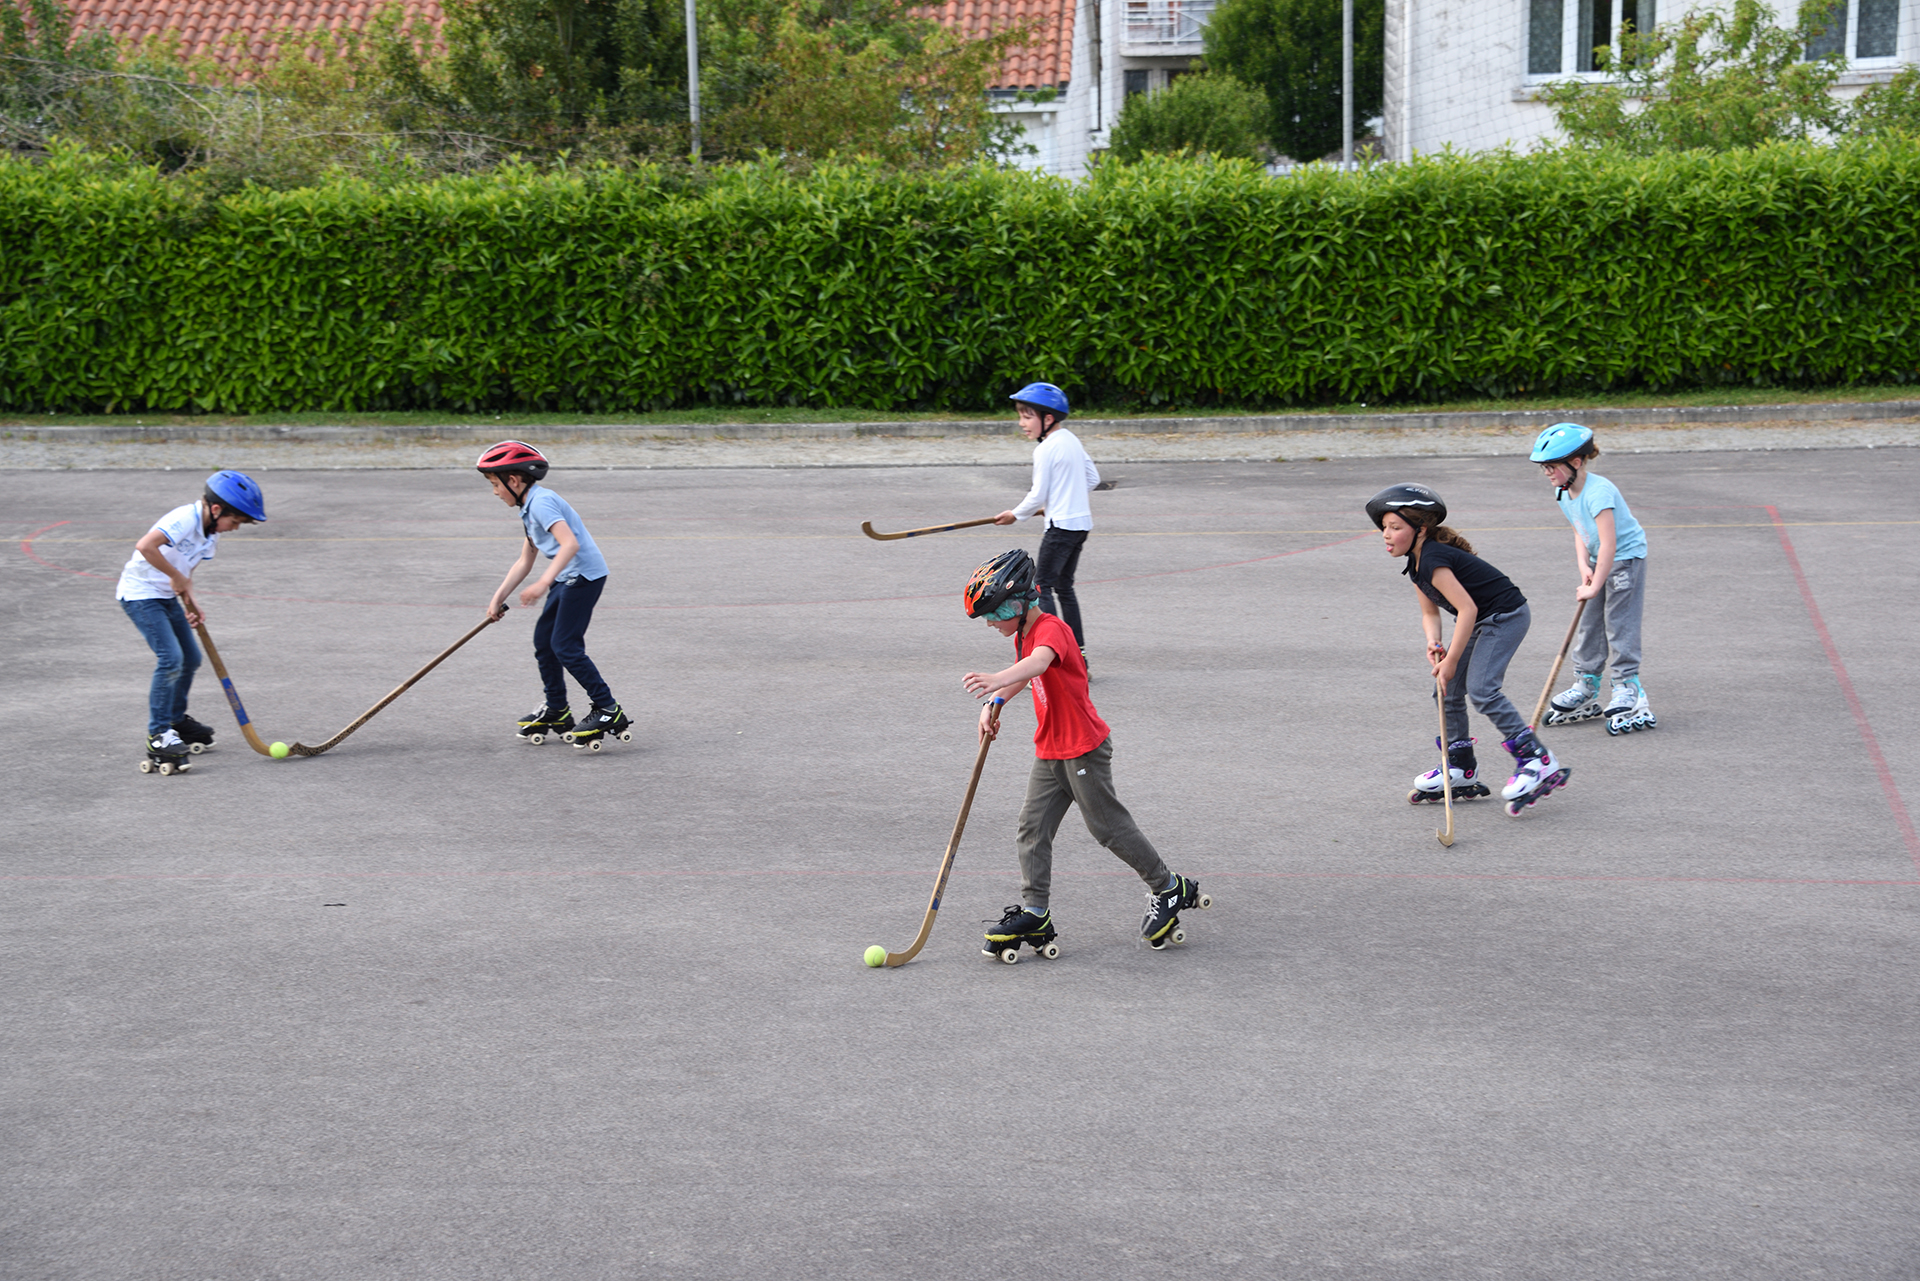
{"x": 544, "y": 509}
{"x": 1596, "y": 496}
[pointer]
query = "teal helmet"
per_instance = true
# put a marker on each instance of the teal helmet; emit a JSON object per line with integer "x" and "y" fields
{"x": 1562, "y": 440}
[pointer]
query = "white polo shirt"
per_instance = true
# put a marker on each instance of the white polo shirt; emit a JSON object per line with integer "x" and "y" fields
{"x": 186, "y": 546}
{"x": 1063, "y": 479}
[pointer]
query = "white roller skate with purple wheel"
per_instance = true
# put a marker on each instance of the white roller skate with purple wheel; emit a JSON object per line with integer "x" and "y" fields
{"x": 1462, "y": 768}
{"x": 1536, "y": 774}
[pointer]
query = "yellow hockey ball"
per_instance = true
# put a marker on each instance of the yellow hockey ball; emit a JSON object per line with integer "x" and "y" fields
{"x": 876, "y": 956}
{"x": 278, "y": 751}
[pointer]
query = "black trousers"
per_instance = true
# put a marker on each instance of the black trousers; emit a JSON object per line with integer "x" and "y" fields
{"x": 1059, "y": 559}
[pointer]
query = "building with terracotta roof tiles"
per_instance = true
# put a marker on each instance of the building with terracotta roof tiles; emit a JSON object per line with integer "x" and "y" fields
{"x": 216, "y": 27}
{"x": 1094, "y": 54}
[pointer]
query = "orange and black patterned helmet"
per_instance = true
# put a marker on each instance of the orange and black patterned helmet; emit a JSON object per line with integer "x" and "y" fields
{"x": 1007, "y": 577}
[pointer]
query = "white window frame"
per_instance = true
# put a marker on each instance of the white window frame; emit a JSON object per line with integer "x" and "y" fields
{"x": 1853, "y": 60}
{"x": 1573, "y": 38}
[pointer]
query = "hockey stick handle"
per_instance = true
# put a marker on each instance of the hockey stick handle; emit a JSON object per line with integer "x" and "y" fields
{"x": 233, "y": 695}
{"x": 301, "y": 749}
{"x": 866, "y": 527}
{"x": 1446, "y": 766}
{"x": 946, "y": 864}
{"x": 1554, "y": 675}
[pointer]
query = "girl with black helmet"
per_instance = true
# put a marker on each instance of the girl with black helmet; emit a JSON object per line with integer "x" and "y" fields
{"x": 156, "y": 591}
{"x": 1073, "y": 763}
{"x": 572, "y": 586}
{"x": 1491, "y": 620}
{"x": 1063, "y": 480}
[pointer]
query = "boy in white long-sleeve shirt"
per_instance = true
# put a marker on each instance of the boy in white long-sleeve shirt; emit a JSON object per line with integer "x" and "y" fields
{"x": 1063, "y": 479}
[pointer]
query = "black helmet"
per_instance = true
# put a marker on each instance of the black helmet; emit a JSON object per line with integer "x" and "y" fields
{"x": 1008, "y": 576}
{"x": 1401, "y": 498}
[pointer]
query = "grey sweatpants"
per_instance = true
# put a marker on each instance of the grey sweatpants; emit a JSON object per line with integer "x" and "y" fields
{"x": 1482, "y": 671}
{"x": 1613, "y": 619}
{"x": 1088, "y": 781}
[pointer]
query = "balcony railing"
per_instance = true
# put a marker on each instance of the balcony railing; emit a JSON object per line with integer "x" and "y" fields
{"x": 1175, "y": 23}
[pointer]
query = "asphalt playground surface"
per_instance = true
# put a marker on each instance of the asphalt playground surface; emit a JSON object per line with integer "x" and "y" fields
{"x": 441, "y": 1004}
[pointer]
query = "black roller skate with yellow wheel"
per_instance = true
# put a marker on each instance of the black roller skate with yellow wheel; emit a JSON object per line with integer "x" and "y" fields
{"x": 196, "y": 736}
{"x": 1161, "y": 925}
{"x": 1019, "y": 926}
{"x": 544, "y": 722}
{"x": 166, "y": 754}
{"x": 598, "y": 725}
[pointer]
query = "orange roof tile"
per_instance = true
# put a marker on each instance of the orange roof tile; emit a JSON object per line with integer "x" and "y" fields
{"x": 1048, "y": 61}
{"x": 203, "y": 26}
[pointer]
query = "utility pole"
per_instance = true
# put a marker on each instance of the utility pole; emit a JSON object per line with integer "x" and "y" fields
{"x": 1346, "y": 84}
{"x": 693, "y": 76}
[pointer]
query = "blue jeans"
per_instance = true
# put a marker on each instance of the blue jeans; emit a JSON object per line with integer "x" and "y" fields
{"x": 1482, "y": 670}
{"x": 560, "y": 642}
{"x": 163, "y": 623}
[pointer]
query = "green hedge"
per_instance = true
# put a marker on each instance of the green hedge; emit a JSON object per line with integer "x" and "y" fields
{"x": 1162, "y": 283}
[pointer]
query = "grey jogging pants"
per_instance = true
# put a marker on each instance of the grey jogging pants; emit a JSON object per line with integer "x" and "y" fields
{"x": 1482, "y": 671}
{"x": 1612, "y": 619}
{"x": 1086, "y": 781}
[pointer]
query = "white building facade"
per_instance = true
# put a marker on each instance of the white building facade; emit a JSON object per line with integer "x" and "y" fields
{"x": 1466, "y": 74}
{"x": 1114, "y": 49}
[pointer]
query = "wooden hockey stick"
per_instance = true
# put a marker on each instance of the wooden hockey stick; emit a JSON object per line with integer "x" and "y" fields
{"x": 1559, "y": 658}
{"x": 866, "y": 527}
{"x": 1446, "y": 769}
{"x": 946, "y": 864}
{"x": 233, "y": 696}
{"x": 301, "y": 749}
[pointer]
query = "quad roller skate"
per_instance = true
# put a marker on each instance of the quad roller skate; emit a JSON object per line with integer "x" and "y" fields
{"x": 1627, "y": 710}
{"x": 1462, "y": 768}
{"x": 166, "y": 754}
{"x": 1019, "y": 926}
{"x": 1579, "y": 701}
{"x": 1535, "y": 773}
{"x": 196, "y": 736}
{"x": 599, "y": 724}
{"x": 1161, "y": 925}
{"x": 544, "y": 722}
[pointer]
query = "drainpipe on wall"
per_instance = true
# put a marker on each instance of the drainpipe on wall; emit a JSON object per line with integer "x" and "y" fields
{"x": 693, "y": 77}
{"x": 1093, "y": 56}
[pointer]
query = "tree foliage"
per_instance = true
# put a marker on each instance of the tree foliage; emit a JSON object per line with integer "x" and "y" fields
{"x": 1204, "y": 114}
{"x": 1715, "y": 80}
{"x": 1291, "y": 50}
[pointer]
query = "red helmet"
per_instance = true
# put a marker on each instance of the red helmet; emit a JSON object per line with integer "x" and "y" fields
{"x": 514, "y": 457}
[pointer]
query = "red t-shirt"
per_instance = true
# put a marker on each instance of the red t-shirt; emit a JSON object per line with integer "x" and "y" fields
{"x": 1067, "y": 725}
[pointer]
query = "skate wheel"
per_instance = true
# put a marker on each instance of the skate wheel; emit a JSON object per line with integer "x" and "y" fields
{"x": 1011, "y": 955}
{"x": 196, "y": 748}
{"x": 567, "y": 737}
{"x": 147, "y": 767}
{"x": 166, "y": 767}
{"x": 1514, "y": 808}
{"x": 1416, "y": 796}
{"x": 536, "y": 739}
{"x": 1204, "y": 901}
{"x": 1051, "y": 951}
{"x": 1179, "y": 935}
{"x": 594, "y": 746}
{"x": 626, "y": 736}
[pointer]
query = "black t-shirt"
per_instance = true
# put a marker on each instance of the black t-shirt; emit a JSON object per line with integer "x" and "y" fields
{"x": 1492, "y": 591}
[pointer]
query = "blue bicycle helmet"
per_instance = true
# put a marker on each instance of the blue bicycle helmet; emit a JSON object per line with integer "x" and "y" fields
{"x": 1043, "y": 396}
{"x": 236, "y": 491}
{"x": 1562, "y": 440}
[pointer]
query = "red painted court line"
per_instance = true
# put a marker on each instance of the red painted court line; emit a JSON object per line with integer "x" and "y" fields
{"x": 747, "y": 873}
{"x": 1900, "y": 816}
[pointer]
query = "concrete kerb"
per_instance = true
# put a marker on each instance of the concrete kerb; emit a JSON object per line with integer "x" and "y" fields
{"x": 1243, "y": 425}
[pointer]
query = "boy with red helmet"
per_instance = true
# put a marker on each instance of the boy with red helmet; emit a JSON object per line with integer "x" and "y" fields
{"x": 1073, "y": 762}
{"x": 572, "y": 586}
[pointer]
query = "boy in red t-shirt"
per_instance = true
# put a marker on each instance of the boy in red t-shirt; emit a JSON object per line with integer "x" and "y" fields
{"x": 1073, "y": 762}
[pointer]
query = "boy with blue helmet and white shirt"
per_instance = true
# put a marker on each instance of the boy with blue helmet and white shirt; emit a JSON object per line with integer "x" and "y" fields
{"x": 156, "y": 591}
{"x": 1063, "y": 479}
{"x": 572, "y": 585}
{"x": 1610, "y": 552}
